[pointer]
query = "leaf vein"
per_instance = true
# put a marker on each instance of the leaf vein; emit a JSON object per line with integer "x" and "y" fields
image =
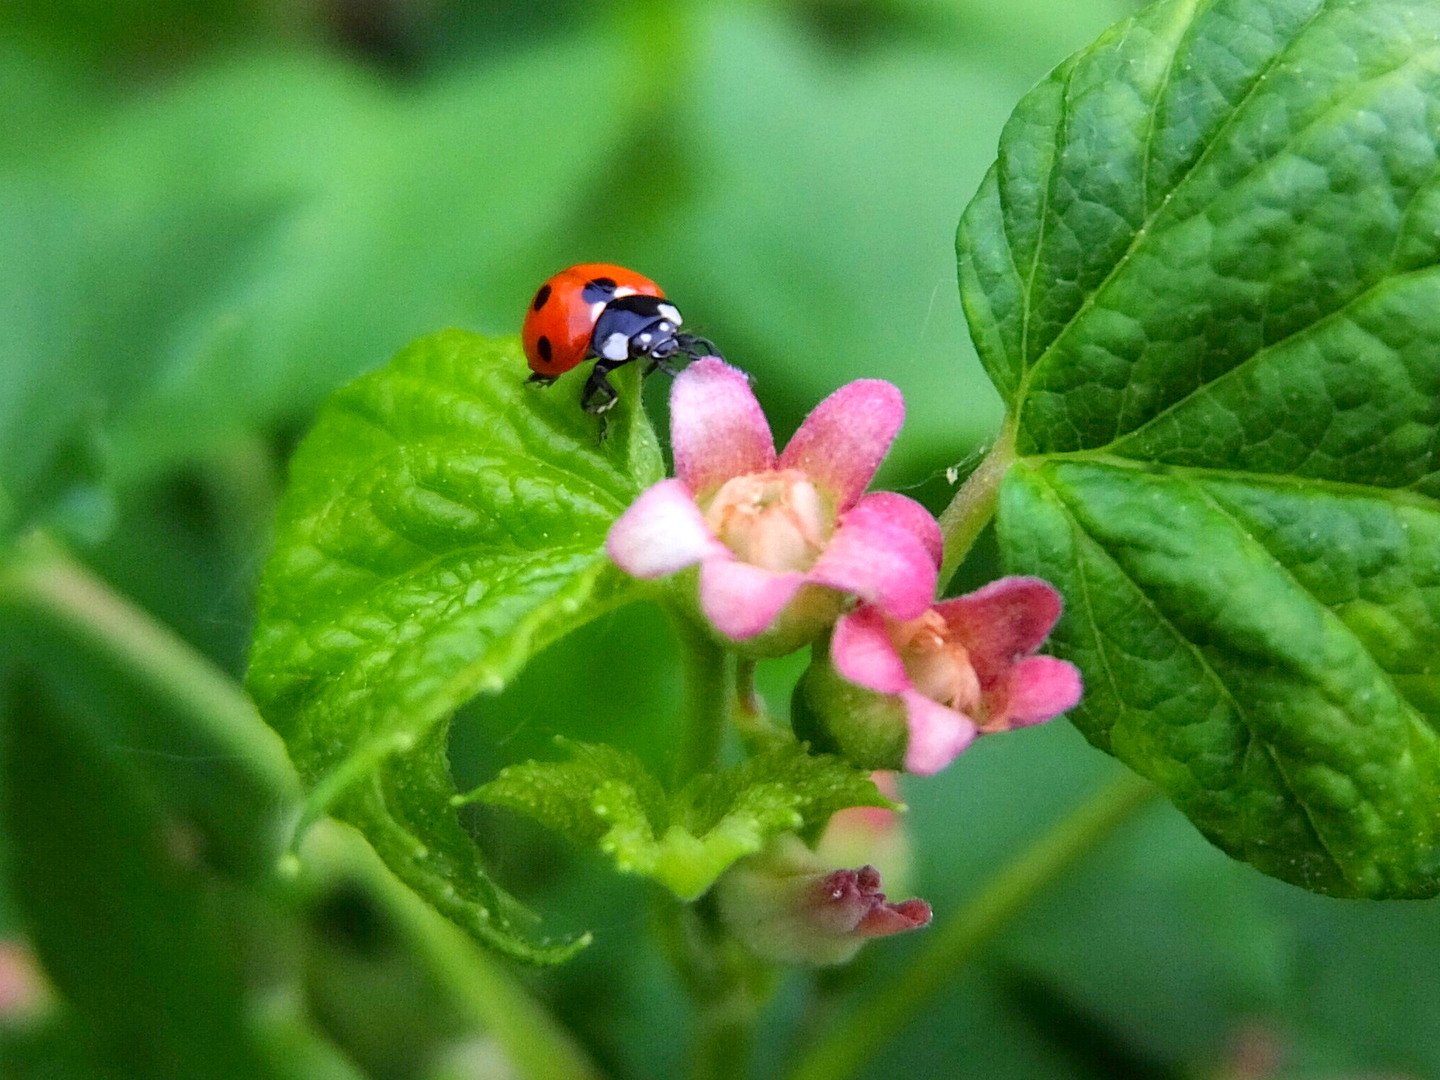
{"x": 1212, "y": 675}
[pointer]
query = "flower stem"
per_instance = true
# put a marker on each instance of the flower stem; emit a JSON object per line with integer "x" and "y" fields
{"x": 974, "y": 504}
{"x": 480, "y": 987}
{"x": 855, "y": 1038}
{"x": 708, "y": 677}
{"x": 727, "y": 985}
{"x": 41, "y": 578}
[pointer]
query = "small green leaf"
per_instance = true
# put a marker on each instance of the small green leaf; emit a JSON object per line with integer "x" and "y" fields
{"x": 444, "y": 522}
{"x": 604, "y": 797}
{"x": 1205, "y": 273}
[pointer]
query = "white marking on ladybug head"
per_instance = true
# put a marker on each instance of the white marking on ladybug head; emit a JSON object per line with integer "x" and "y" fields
{"x": 644, "y": 338}
{"x": 624, "y": 290}
{"x": 615, "y": 347}
{"x": 671, "y": 312}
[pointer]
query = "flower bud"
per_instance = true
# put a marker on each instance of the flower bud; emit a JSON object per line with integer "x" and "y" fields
{"x": 787, "y": 906}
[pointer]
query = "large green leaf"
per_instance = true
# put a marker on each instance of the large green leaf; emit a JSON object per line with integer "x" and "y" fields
{"x": 1204, "y": 274}
{"x": 444, "y": 522}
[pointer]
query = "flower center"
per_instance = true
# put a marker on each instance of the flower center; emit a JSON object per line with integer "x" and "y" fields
{"x": 938, "y": 667}
{"x": 772, "y": 519}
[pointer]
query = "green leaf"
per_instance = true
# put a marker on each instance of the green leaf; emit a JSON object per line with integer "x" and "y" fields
{"x": 1204, "y": 274}
{"x": 444, "y": 522}
{"x": 604, "y": 797}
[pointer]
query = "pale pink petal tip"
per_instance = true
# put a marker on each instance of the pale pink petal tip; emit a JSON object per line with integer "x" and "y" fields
{"x": 862, "y": 653}
{"x": 1041, "y": 688}
{"x": 937, "y": 734}
{"x": 660, "y": 533}
{"x": 742, "y": 601}
{"x": 880, "y": 560}
{"x": 842, "y": 442}
{"x": 717, "y": 428}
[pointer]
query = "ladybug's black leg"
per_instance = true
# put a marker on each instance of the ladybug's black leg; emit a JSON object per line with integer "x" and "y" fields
{"x": 543, "y": 380}
{"x": 599, "y": 396}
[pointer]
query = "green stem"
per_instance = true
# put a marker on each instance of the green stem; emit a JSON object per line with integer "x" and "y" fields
{"x": 724, "y": 983}
{"x": 974, "y": 504}
{"x": 856, "y": 1038}
{"x": 476, "y": 981}
{"x": 707, "y": 671}
{"x": 727, "y": 985}
{"x": 752, "y": 719}
{"x": 43, "y": 579}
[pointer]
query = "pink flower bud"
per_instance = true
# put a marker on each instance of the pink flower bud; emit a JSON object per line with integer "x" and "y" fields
{"x": 24, "y": 991}
{"x": 785, "y": 905}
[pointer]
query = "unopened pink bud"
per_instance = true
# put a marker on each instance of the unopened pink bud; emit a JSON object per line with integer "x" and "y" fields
{"x": 786, "y": 906}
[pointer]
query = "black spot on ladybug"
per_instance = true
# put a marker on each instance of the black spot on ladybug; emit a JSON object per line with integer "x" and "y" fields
{"x": 598, "y": 289}
{"x": 543, "y": 348}
{"x": 541, "y": 297}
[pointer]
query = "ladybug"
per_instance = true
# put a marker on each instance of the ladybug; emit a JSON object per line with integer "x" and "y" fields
{"x": 607, "y": 312}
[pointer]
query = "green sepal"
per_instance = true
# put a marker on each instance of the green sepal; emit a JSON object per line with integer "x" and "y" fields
{"x": 605, "y": 798}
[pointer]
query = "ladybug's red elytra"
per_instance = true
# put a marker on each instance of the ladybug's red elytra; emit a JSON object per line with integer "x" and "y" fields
{"x": 608, "y": 312}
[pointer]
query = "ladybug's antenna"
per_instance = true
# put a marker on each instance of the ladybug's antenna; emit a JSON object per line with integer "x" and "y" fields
{"x": 696, "y": 347}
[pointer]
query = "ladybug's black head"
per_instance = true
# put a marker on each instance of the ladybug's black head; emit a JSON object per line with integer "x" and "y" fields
{"x": 634, "y": 326}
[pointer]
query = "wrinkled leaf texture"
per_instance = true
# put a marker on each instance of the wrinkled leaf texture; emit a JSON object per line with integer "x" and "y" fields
{"x": 444, "y": 521}
{"x": 1203, "y": 272}
{"x": 605, "y": 797}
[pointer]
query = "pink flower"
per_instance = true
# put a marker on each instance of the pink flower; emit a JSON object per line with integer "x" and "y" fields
{"x": 920, "y": 690}
{"x": 782, "y": 542}
{"x": 787, "y": 906}
{"x": 24, "y": 991}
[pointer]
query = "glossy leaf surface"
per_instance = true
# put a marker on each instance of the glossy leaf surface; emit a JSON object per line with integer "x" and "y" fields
{"x": 1204, "y": 274}
{"x": 444, "y": 522}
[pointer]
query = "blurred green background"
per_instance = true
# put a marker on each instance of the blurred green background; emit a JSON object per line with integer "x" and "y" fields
{"x": 211, "y": 214}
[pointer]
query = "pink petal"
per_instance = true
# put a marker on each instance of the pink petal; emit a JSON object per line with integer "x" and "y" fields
{"x": 879, "y": 560}
{"x": 1038, "y": 689}
{"x": 937, "y": 734}
{"x": 863, "y": 654}
{"x": 717, "y": 429}
{"x": 907, "y": 514}
{"x": 1004, "y": 620}
{"x": 885, "y": 919}
{"x": 742, "y": 600}
{"x": 842, "y": 442}
{"x": 661, "y": 532}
